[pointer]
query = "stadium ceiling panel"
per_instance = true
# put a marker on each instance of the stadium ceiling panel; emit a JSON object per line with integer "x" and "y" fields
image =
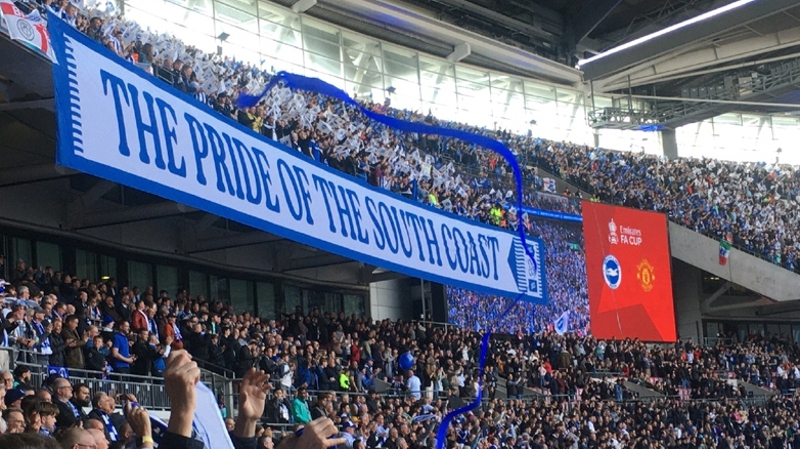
{"x": 733, "y": 26}
{"x": 423, "y": 28}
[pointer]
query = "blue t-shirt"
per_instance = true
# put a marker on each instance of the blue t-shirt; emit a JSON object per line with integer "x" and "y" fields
{"x": 121, "y": 343}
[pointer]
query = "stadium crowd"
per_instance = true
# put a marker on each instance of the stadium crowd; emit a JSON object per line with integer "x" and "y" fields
{"x": 753, "y": 204}
{"x": 560, "y": 390}
{"x": 571, "y": 384}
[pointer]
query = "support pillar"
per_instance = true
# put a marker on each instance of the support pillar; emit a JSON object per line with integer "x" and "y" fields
{"x": 669, "y": 144}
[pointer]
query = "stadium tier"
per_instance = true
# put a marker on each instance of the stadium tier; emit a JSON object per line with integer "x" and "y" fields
{"x": 572, "y": 293}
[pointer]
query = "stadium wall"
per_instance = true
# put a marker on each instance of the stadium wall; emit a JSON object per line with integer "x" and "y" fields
{"x": 390, "y": 299}
{"x": 686, "y": 291}
{"x": 742, "y": 269}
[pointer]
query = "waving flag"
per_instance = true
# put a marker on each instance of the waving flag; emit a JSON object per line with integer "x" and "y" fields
{"x": 561, "y": 325}
{"x": 724, "y": 251}
{"x": 30, "y": 29}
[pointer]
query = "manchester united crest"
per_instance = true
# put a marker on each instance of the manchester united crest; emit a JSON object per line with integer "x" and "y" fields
{"x": 646, "y": 275}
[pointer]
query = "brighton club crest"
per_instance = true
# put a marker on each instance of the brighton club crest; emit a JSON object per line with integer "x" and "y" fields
{"x": 612, "y": 273}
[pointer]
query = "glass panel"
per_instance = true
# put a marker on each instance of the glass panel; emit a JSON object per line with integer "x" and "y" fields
{"x": 167, "y": 278}
{"x": 272, "y": 13}
{"x": 281, "y": 33}
{"x": 472, "y": 89}
{"x": 437, "y": 80}
{"x": 501, "y": 81}
{"x": 266, "y": 300}
{"x": 436, "y": 66}
{"x": 440, "y": 111}
{"x": 200, "y": 21}
{"x": 86, "y": 265}
{"x": 203, "y": 6}
{"x": 244, "y": 5}
{"x": 241, "y": 54}
{"x": 358, "y": 42}
{"x": 361, "y": 90}
{"x": 219, "y": 289}
{"x": 21, "y": 250}
{"x": 241, "y": 296}
{"x": 400, "y": 62}
{"x": 333, "y": 302}
{"x": 508, "y": 103}
{"x": 543, "y": 91}
{"x": 354, "y": 304}
{"x": 443, "y": 97}
{"x": 472, "y": 75}
{"x": 773, "y": 330}
{"x": 48, "y": 255}
{"x": 236, "y": 17}
{"x": 323, "y": 48}
{"x": 108, "y": 267}
{"x": 290, "y": 54}
{"x": 362, "y": 67}
{"x": 315, "y": 299}
{"x": 147, "y": 19}
{"x": 320, "y": 31}
{"x": 325, "y": 65}
{"x": 198, "y": 284}
{"x": 292, "y": 298}
{"x": 140, "y": 275}
{"x": 336, "y": 80}
{"x": 728, "y": 119}
{"x": 195, "y": 35}
{"x": 239, "y": 38}
{"x": 405, "y": 95}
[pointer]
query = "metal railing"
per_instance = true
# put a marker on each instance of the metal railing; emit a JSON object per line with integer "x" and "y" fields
{"x": 149, "y": 390}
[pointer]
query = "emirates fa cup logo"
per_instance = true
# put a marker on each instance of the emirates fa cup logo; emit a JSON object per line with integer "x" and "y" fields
{"x": 612, "y": 232}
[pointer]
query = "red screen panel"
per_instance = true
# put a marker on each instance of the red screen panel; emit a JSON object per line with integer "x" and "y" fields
{"x": 629, "y": 273}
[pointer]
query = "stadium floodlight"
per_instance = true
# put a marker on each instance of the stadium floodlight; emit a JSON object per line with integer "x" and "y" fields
{"x": 670, "y": 29}
{"x": 302, "y": 6}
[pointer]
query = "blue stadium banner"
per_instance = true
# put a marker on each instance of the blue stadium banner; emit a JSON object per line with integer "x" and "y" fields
{"x": 60, "y": 371}
{"x": 119, "y": 123}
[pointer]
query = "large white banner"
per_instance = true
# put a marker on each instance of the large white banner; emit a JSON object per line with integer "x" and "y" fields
{"x": 119, "y": 123}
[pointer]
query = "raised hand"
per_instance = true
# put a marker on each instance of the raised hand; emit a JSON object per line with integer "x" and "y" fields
{"x": 318, "y": 434}
{"x": 180, "y": 377}
{"x": 252, "y": 397}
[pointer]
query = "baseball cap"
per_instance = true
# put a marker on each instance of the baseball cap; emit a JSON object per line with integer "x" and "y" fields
{"x": 348, "y": 423}
{"x": 13, "y": 395}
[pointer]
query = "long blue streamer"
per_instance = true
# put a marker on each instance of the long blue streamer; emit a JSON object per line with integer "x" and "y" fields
{"x": 319, "y": 86}
{"x": 316, "y": 85}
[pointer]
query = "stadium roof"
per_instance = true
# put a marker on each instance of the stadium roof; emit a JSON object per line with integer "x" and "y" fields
{"x": 743, "y": 59}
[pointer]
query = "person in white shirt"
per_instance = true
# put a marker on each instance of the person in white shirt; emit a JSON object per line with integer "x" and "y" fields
{"x": 414, "y": 386}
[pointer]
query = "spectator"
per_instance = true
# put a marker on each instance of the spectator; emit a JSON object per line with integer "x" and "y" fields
{"x": 121, "y": 358}
{"x": 75, "y": 438}
{"x": 74, "y": 343}
{"x": 15, "y": 420}
{"x": 300, "y": 410}
{"x": 27, "y": 441}
{"x": 414, "y": 386}
{"x": 68, "y": 413}
{"x": 277, "y": 408}
{"x": 103, "y": 406}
